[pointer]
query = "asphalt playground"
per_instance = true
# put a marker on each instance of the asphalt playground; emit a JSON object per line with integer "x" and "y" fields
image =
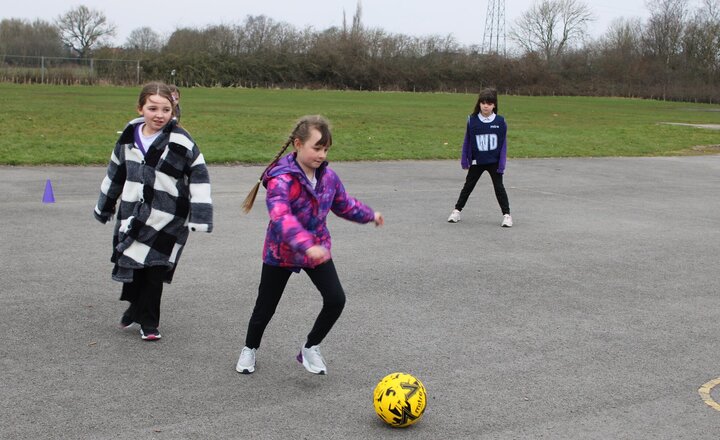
{"x": 597, "y": 316}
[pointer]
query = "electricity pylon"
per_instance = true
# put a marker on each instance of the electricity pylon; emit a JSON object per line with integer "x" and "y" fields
{"x": 494, "y": 35}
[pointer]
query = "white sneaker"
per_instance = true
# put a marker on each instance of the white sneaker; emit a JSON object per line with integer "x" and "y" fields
{"x": 454, "y": 216}
{"x": 246, "y": 363}
{"x": 507, "y": 221}
{"x": 312, "y": 360}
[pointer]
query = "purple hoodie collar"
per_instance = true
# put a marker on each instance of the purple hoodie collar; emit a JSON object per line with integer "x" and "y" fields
{"x": 138, "y": 139}
{"x": 288, "y": 165}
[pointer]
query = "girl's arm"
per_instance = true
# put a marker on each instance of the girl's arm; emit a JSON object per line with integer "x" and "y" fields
{"x": 201, "y": 209}
{"x": 112, "y": 185}
{"x": 503, "y": 151}
{"x": 350, "y": 208}
{"x": 467, "y": 145}
{"x": 282, "y": 221}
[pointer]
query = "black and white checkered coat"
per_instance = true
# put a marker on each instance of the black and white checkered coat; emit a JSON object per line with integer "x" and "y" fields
{"x": 163, "y": 195}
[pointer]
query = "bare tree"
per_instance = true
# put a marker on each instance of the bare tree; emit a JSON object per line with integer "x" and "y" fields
{"x": 711, "y": 10}
{"x": 223, "y": 40}
{"x": 664, "y": 30}
{"x": 259, "y": 30}
{"x": 81, "y": 29}
{"x": 39, "y": 38}
{"x": 551, "y": 26}
{"x": 619, "y": 55}
{"x": 662, "y": 41}
{"x": 621, "y": 43}
{"x": 357, "y": 19}
{"x": 187, "y": 41}
{"x": 144, "y": 39}
{"x": 701, "y": 41}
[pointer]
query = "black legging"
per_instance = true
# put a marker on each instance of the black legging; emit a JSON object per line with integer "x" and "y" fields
{"x": 144, "y": 294}
{"x": 272, "y": 284}
{"x": 472, "y": 178}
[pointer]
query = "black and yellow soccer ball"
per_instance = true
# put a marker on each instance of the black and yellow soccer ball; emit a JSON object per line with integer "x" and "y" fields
{"x": 400, "y": 399}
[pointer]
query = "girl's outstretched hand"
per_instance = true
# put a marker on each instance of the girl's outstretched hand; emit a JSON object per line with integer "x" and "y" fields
{"x": 379, "y": 219}
{"x": 317, "y": 253}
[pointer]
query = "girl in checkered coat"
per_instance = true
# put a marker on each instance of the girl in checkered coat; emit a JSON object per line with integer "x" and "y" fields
{"x": 301, "y": 192}
{"x": 158, "y": 187}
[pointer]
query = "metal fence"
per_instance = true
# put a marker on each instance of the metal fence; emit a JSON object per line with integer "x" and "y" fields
{"x": 62, "y": 70}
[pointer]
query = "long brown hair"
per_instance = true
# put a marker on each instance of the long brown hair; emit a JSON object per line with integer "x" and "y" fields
{"x": 488, "y": 95}
{"x": 300, "y": 132}
{"x": 155, "y": 88}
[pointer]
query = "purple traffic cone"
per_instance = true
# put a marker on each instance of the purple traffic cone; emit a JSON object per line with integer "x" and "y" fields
{"x": 48, "y": 197}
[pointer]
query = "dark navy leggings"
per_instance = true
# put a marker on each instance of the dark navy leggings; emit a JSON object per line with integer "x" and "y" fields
{"x": 272, "y": 284}
{"x": 471, "y": 180}
{"x": 144, "y": 294}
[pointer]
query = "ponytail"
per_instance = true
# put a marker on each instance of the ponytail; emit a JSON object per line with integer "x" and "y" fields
{"x": 250, "y": 199}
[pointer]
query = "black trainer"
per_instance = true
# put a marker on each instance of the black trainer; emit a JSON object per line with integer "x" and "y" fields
{"x": 150, "y": 333}
{"x": 126, "y": 321}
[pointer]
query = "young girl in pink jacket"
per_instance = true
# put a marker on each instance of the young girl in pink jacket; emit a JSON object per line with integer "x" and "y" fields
{"x": 301, "y": 192}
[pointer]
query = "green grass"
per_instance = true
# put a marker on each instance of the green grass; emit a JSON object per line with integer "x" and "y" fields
{"x": 78, "y": 124}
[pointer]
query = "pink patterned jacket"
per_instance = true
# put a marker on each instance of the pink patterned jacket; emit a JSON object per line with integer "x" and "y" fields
{"x": 298, "y": 213}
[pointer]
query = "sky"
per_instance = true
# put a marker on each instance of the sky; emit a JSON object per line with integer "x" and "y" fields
{"x": 463, "y": 19}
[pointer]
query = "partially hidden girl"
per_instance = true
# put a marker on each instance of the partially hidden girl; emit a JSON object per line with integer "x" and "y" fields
{"x": 158, "y": 187}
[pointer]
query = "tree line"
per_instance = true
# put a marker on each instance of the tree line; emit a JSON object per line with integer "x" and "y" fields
{"x": 673, "y": 54}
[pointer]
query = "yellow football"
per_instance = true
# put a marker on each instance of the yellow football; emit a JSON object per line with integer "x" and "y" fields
{"x": 400, "y": 399}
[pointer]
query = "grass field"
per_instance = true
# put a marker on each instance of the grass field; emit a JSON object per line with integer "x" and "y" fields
{"x": 78, "y": 125}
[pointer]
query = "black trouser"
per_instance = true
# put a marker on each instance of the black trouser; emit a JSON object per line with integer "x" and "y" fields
{"x": 272, "y": 284}
{"x": 144, "y": 293}
{"x": 472, "y": 178}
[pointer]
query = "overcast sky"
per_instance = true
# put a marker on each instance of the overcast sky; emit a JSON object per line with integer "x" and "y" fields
{"x": 463, "y": 19}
